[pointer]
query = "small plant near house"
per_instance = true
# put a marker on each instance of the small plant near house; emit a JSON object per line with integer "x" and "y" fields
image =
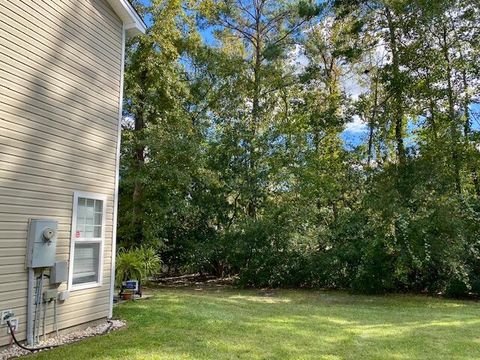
{"x": 151, "y": 262}
{"x": 136, "y": 264}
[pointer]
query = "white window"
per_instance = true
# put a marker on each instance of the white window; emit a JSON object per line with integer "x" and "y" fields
{"x": 88, "y": 235}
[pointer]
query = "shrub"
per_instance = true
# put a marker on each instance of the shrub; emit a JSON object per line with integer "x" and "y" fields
{"x": 456, "y": 288}
{"x": 136, "y": 264}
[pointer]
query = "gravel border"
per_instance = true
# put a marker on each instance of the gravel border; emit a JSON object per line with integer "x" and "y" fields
{"x": 15, "y": 351}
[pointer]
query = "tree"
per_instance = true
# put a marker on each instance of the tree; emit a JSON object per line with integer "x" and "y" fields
{"x": 256, "y": 36}
{"x": 159, "y": 141}
{"x": 234, "y": 159}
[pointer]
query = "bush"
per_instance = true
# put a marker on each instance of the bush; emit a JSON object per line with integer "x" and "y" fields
{"x": 136, "y": 264}
{"x": 475, "y": 283}
{"x": 456, "y": 288}
{"x": 266, "y": 252}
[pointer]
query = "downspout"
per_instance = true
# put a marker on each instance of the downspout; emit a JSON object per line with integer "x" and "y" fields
{"x": 117, "y": 175}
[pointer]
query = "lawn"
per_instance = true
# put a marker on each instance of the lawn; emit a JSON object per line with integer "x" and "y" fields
{"x": 223, "y": 323}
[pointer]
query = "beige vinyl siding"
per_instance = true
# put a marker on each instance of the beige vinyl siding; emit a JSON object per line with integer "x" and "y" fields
{"x": 59, "y": 96}
{"x": 46, "y": 43}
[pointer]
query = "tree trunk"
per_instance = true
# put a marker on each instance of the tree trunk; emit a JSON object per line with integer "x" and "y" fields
{"x": 138, "y": 164}
{"x": 252, "y": 204}
{"x": 467, "y": 129}
{"x": 431, "y": 104}
{"x": 398, "y": 114}
{"x": 454, "y": 134}
{"x": 373, "y": 120}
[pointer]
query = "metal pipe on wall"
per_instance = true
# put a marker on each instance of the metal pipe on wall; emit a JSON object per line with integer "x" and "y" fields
{"x": 44, "y": 318}
{"x": 55, "y": 324}
{"x": 31, "y": 279}
{"x": 38, "y": 308}
{"x": 35, "y": 317}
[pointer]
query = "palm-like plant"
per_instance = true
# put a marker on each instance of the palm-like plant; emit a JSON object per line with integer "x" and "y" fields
{"x": 136, "y": 264}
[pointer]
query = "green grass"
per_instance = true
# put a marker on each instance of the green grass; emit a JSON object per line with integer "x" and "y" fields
{"x": 218, "y": 323}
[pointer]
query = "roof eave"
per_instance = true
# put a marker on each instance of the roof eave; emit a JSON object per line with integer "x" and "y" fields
{"x": 133, "y": 29}
{"x": 132, "y": 22}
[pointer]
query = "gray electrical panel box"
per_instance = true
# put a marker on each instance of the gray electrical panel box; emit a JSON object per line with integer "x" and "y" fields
{"x": 59, "y": 272}
{"x": 42, "y": 243}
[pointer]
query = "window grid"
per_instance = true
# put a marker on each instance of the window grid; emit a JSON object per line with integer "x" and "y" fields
{"x": 86, "y": 257}
{"x": 89, "y": 218}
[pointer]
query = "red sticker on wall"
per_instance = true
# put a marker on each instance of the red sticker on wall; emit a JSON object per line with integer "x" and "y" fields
{"x": 77, "y": 234}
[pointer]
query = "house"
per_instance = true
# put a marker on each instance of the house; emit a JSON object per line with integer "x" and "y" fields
{"x": 61, "y": 79}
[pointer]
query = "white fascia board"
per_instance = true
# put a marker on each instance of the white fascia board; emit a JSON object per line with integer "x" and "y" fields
{"x": 132, "y": 22}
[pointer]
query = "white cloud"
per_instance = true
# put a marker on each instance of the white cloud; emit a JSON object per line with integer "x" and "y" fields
{"x": 297, "y": 59}
{"x": 352, "y": 86}
{"x": 357, "y": 126}
{"x": 128, "y": 122}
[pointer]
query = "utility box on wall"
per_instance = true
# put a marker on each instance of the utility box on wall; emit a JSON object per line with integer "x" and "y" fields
{"x": 42, "y": 243}
{"x": 59, "y": 272}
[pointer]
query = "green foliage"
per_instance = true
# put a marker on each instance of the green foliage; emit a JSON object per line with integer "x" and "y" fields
{"x": 128, "y": 266}
{"x": 136, "y": 264}
{"x": 236, "y": 161}
{"x": 265, "y": 254}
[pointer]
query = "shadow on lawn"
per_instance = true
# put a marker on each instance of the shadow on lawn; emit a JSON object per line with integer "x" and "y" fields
{"x": 232, "y": 324}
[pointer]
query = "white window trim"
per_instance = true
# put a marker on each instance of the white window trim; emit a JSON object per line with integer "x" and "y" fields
{"x": 74, "y": 239}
